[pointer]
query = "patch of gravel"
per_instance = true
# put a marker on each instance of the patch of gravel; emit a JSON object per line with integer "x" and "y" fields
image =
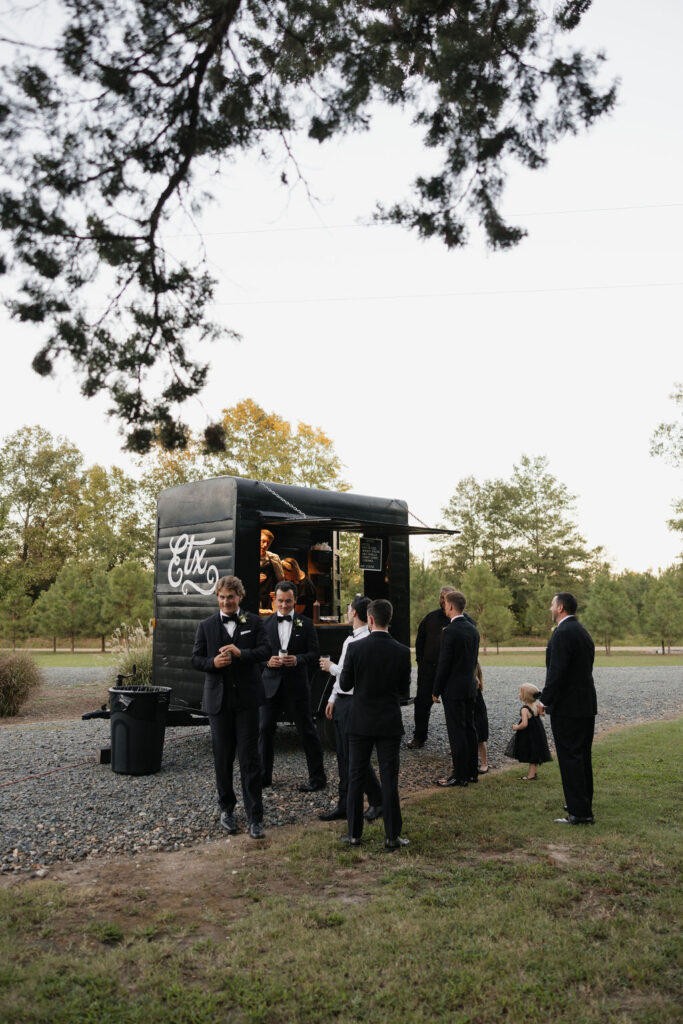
{"x": 57, "y": 803}
{"x": 76, "y": 676}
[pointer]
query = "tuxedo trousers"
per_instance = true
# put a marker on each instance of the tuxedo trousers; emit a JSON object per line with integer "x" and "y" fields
{"x": 371, "y": 784}
{"x": 422, "y": 709}
{"x": 235, "y": 731}
{"x": 297, "y": 710}
{"x": 573, "y": 744}
{"x": 462, "y": 737}
{"x": 360, "y": 752}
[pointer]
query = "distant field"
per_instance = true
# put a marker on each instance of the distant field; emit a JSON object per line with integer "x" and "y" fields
{"x": 64, "y": 659}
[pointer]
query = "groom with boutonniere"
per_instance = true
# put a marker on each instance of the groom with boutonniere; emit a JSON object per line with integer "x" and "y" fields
{"x": 228, "y": 648}
{"x": 293, "y": 654}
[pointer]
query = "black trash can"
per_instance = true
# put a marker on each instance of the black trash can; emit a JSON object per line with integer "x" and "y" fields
{"x": 138, "y": 725}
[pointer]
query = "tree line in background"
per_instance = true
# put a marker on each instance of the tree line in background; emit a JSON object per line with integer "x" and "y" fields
{"x": 519, "y": 544}
{"x": 77, "y": 542}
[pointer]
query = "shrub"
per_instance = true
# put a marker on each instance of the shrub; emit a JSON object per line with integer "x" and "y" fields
{"x": 132, "y": 646}
{"x": 19, "y": 674}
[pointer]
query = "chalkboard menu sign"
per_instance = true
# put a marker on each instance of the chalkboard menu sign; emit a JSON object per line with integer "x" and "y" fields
{"x": 370, "y": 554}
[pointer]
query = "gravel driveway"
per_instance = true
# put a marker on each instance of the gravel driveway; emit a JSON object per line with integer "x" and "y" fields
{"x": 57, "y": 803}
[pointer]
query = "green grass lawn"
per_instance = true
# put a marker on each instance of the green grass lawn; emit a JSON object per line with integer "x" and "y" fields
{"x": 493, "y": 915}
{"x": 525, "y": 658}
{"x": 64, "y": 659}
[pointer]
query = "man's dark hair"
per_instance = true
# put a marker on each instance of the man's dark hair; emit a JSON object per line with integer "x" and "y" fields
{"x": 457, "y": 600}
{"x": 285, "y": 585}
{"x": 568, "y": 602}
{"x": 381, "y": 612}
{"x": 360, "y": 606}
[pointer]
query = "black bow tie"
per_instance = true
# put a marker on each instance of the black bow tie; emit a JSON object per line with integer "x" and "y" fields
{"x": 284, "y": 618}
{"x": 229, "y": 618}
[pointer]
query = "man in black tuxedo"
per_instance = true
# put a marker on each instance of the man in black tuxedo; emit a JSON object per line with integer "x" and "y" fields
{"x": 456, "y": 685}
{"x": 292, "y": 654}
{"x": 570, "y": 698}
{"x": 228, "y": 648}
{"x": 338, "y": 709}
{"x": 377, "y": 669}
{"x": 427, "y": 647}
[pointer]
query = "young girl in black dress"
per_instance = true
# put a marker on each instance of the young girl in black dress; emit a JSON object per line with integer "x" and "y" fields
{"x": 481, "y": 722}
{"x": 530, "y": 742}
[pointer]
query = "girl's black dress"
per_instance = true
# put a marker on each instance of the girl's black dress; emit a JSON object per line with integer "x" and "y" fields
{"x": 481, "y": 718}
{"x": 530, "y": 745}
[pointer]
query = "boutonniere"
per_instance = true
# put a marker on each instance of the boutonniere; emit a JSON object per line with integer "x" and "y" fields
{"x": 242, "y": 619}
{"x": 298, "y": 622}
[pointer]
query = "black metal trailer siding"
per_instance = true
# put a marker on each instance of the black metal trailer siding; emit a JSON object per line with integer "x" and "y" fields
{"x": 191, "y": 519}
{"x": 211, "y": 528}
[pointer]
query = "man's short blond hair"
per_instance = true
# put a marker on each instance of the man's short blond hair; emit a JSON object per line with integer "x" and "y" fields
{"x": 231, "y": 583}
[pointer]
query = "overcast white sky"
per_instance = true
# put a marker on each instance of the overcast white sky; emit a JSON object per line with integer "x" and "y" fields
{"x": 426, "y": 366}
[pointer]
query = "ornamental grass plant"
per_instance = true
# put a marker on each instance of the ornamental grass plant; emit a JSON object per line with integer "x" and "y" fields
{"x": 19, "y": 675}
{"x": 132, "y": 649}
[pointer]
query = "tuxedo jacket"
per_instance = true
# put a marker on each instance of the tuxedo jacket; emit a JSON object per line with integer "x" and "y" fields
{"x": 242, "y": 676}
{"x": 428, "y": 639}
{"x": 458, "y": 655}
{"x": 377, "y": 669}
{"x": 303, "y": 643}
{"x": 569, "y": 688}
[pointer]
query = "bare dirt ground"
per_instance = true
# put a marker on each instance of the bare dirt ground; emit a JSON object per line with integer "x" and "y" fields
{"x": 193, "y": 891}
{"x": 56, "y": 703}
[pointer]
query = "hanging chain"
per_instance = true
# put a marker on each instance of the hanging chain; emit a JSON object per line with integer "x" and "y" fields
{"x": 418, "y": 519}
{"x": 283, "y": 500}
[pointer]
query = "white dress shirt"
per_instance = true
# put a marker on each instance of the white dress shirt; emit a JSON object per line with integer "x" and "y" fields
{"x": 284, "y": 630}
{"x": 232, "y": 625}
{"x": 336, "y": 670}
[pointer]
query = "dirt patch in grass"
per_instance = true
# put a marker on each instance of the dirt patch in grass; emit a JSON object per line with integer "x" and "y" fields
{"x": 193, "y": 891}
{"x": 59, "y": 704}
{"x": 561, "y": 856}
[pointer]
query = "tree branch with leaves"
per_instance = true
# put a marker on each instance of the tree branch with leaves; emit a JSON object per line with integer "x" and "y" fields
{"x": 104, "y": 133}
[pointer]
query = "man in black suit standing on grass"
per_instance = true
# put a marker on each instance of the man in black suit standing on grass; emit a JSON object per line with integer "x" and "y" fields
{"x": 427, "y": 647}
{"x": 378, "y": 671}
{"x": 292, "y": 654}
{"x": 228, "y": 648}
{"x": 569, "y": 697}
{"x": 456, "y": 685}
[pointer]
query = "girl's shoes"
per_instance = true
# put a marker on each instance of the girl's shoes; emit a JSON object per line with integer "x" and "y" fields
{"x": 528, "y": 778}
{"x": 484, "y": 771}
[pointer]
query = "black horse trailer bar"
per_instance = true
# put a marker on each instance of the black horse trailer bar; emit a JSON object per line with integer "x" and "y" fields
{"x": 212, "y": 528}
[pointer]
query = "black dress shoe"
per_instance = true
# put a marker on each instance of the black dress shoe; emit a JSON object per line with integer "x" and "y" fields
{"x": 451, "y": 781}
{"x": 256, "y": 830}
{"x": 373, "y": 813}
{"x": 396, "y": 844}
{"x": 312, "y": 787}
{"x": 229, "y": 822}
{"x": 336, "y": 814}
{"x": 349, "y": 840}
{"x": 415, "y": 744}
{"x": 572, "y": 819}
